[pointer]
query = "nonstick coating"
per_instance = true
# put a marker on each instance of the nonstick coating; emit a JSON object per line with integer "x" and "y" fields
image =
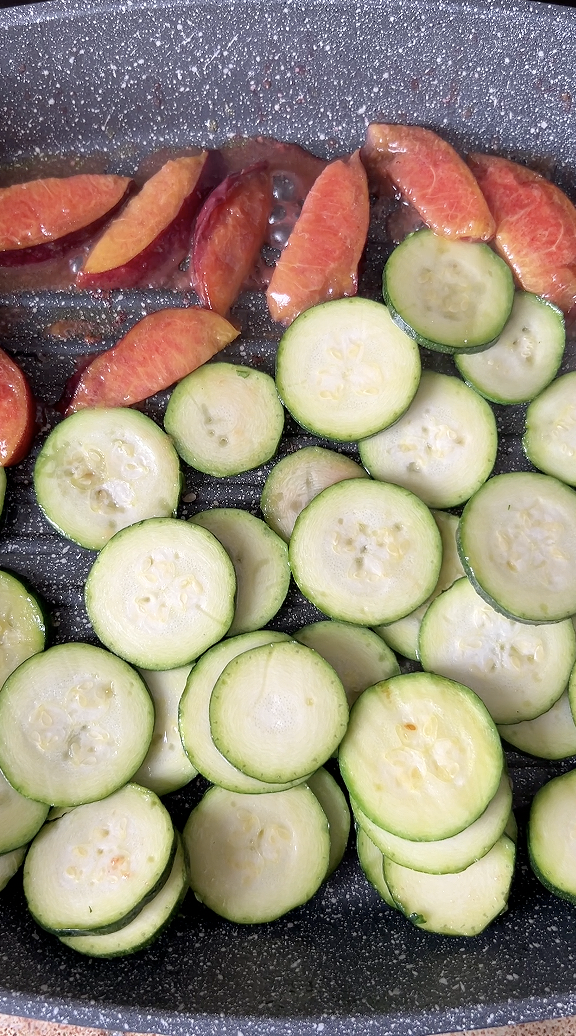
{"x": 109, "y": 84}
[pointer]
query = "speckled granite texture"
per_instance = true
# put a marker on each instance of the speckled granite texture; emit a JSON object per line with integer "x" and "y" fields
{"x": 121, "y": 80}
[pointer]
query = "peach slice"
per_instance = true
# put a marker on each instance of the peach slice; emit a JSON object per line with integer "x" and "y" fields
{"x": 535, "y": 227}
{"x": 17, "y": 412}
{"x": 229, "y": 234}
{"x": 155, "y": 222}
{"x": 320, "y": 260}
{"x": 43, "y": 219}
{"x": 159, "y": 350}
{"x": 432, "y": 176}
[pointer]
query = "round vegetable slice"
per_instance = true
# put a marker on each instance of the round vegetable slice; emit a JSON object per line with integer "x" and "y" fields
{"x": 357, "y": 655}
{"x": 331, "y": 798}
{"x": 550, "y": 436}
{"x": 225, "y": 418}
{"x": 448, "y": 855}
{"x": 252, "y": 858}
{"x": 516, "y": 542}
{"x": 194, "y": 720}
{"x": 451, "y": 296}
{"x": 161, "y": 592}
{"x": 101, "y": 470}
{"x": 551, "y": 842}
{"x": 296, "y": 479}
{"x": 22, "y": 624}
{"x": 277, "y": 712}
{"x": 76, "y": 723}
{"x": 20, "y": 817}
{"x": 366, "y": 552}
{"x": 518, "y": 670}
{"x": 166, "y": 766}
{"x": 92, "y": 870}
{"x": 442, "y": 448}
{"x": 344, "y": 370}
{"x": 147, "y": 925}
{"x": 260, "y": 560}
{"x": 421, "y": 756}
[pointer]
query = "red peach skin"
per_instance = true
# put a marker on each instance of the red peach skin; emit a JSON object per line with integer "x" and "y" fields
{"x": 158, "y": 351}
{"x": 17, "y": 412}
{"x": 229, "y": 233}
{"x": 432, "y": 176}
{"x": 42, "y": 219}
{"x": 320, "y": 260}
{"x": 535, "y": 227}
{"x": 154, "y": 222}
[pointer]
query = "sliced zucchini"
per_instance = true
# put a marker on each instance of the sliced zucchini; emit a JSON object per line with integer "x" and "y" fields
{"x": 442, "y": 449}
{"x": 147, "y": 925}
{"x": 524, "y": 358}
{"x": 225, "y": 418}
{"x": 448, "y": 855}
{"x": 455, "y": 904}
{"x": 22, "y": 624}
{"x": 194, "y": 720}
{"x": 166, "y": 766}
{"x": 358, "y": 655}
{"x": 296, "y": 479}
{"x": 10, "y": 863}
{"x": 101, "y": 470}
{"x": 252, "y": 858}
{"x": 551, "y": 843}
{"x": 277, "y": 712}
{"x": 366, "y": 552}
{"x": 92, "y": 870}
{"x": 518, "y": 670}
{"x": 344, "y": 370}
{"x": 402, "y": 635}
{"x": 372, "y": 863}
{"x": 516, "y": 542}
{"x": 550, "y": 736}
{"x": 76, "y": 723}
{"x": 260, "y": 560}
{"x": 20, "y": 818}
{"x": 421, "y": 756}
{"x": 550, "y": 437}
{"x": 333, "y": 802}
{"x": 161, "y": 592}
{"x": 451, "y": 296}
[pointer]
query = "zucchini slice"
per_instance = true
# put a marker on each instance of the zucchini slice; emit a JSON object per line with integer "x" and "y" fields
{"x": 551, "y": 843}
{"x": 516, "y": 542}
{"x": 161, "y": 592}
{"x": 166, "y": 767}
{"x": 344, "y": 370}
{"x": 277, "y": 712}
{"x": 372, "y": 863}
{"x": 333, "y": 802}
{"x": 10, "y": 863}
{"x": 366, "y": 552}
{"x": 550, "y": 736}
{"x": 101, "y": 470}
{"x": 76, "y": 723}
{"x": 451, "y": 296}
{"x": 448, "y": 855}
{"x": 22, "y": 624}
{"x": 225, "y": 418}
{"x": 296, "y": 479}
{"x": 92, "y": 870}
{"x": 194, "y": 720}
{"x": 518, "y": 670}
{"x": 260, "y": 560}
{"x": 402, "y": 635}
{"x": 357, "y": 655}
{"x": 421, "y": 756}
{"x": 252, "y": 858}
{"x": 455, "y": 904}
{"x": 442, "y": 449}
{"x": 550, "y": 437}
{"x": 20, "y": 818}
{"x": 524, "y": 358}
{"x": 147, "y": 925}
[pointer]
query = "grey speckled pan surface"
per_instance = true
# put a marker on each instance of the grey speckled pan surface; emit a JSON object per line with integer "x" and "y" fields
{"x": 124, "y": 79}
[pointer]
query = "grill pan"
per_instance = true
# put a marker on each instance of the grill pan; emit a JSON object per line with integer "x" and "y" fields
{"x": 102, "y": 86}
